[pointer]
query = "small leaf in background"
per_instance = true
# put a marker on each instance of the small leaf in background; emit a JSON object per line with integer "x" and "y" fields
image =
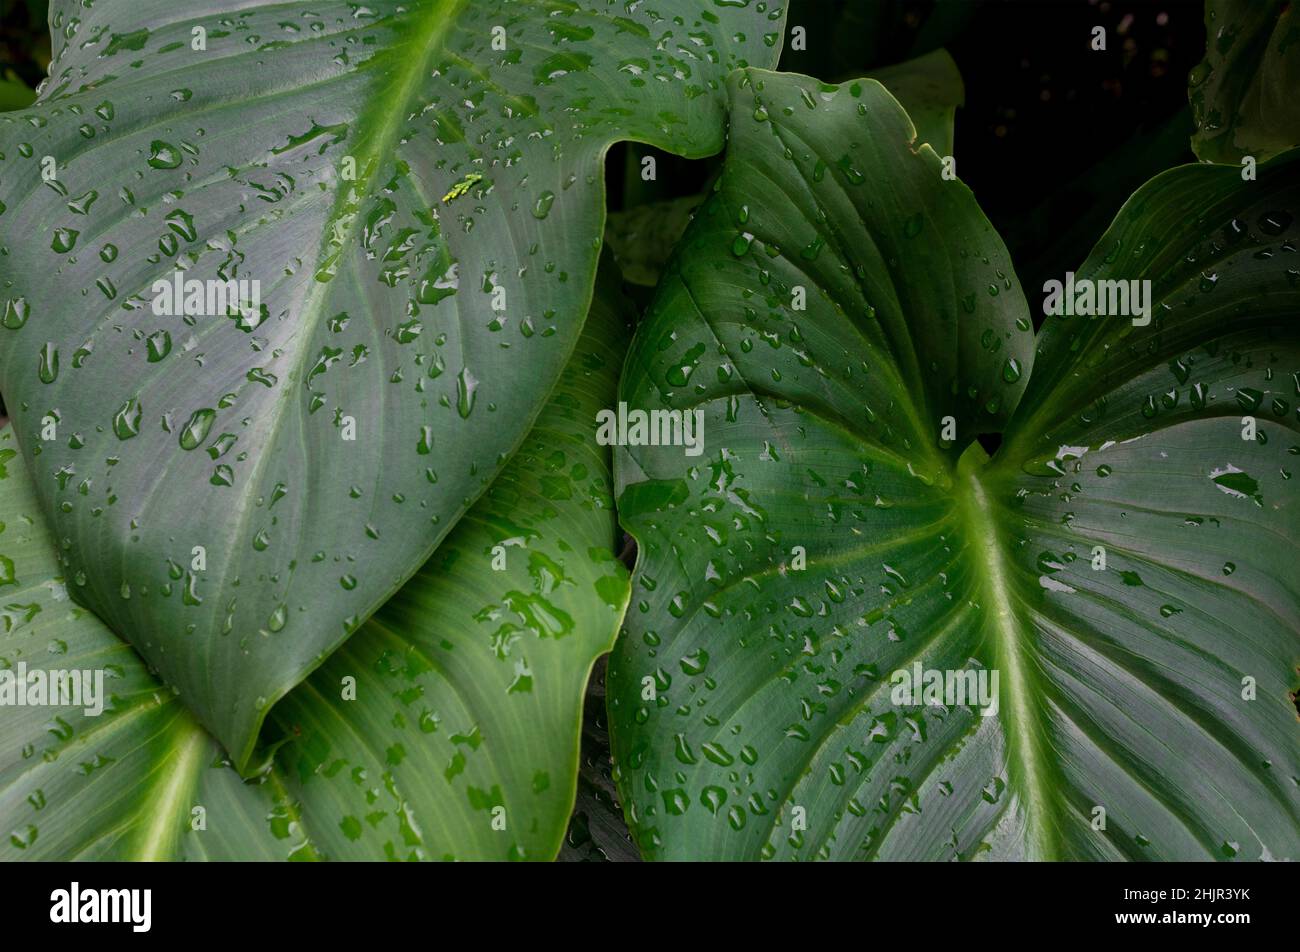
{"x": 1109, "y": 591}
{"x": 446, "y": 727}
{"x": 15, "y": 94}
{"x": 388, "y": 219}
{"x": 930, "y": 89}
{"x": 642, "y": 238}
{"x": 1243, "y": 94}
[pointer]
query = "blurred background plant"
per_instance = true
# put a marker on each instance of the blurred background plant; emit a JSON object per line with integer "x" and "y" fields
{"x": 24, "y": 51}
{"x": 24, "y": 59}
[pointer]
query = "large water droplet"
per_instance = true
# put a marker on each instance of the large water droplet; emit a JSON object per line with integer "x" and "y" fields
{"x": 196, "y": 430}
{"x": 49, "y": 364}
{"x": 466, "y": 385}
{"x": 163, "y": 155}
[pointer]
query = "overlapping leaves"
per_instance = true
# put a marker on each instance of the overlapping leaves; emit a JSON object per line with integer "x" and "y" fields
{"x": 417, "y": 187}
{"x": 446, "y": 727}
{"x": 1121, "y": 564}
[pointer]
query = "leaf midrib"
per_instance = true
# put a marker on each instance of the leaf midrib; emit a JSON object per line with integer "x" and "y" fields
{"x": 180, "y": 774}
{"x": 430, "y": 39}
{"x": 1028, "y": 761}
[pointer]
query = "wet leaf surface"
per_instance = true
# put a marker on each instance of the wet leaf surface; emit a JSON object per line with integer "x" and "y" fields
{"x": 417, "y": 190}
{"x": 446, "y": 727}
{"x": 1124, "y": 564}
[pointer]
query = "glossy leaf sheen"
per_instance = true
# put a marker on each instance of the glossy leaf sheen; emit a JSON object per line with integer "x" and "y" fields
{"x": 423, "y": 210}
{"x": 749, "y": 684}
{"x": 468, "y": 686}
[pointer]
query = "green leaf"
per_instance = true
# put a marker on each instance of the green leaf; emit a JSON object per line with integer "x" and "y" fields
{"x": 826, "y": 542}
{"x": 14, "y": 94}
{"x": 468, "y": 685}
{"x": 930, "y": 89}
{"x": 642, "y": 238}
{"x": 418, "y": 188}
{"x": 1243, "y": 93}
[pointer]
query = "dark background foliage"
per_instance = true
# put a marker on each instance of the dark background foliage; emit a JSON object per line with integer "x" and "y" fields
{"x": 1053, "y": 138}
{"x": 24, "y": 50}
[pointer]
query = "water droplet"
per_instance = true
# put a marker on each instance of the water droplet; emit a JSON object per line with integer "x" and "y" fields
{"x": 196, "y": 430}
{"x": 163, "y": 155}
{"x": 542, "y": 207}
{"x": 126, "y": 422}
{"x": 49, "y": 363}
{"x": 65, "y": 239}
{"x": 466, "y": 385}
{"x": 1274, "y": 223}
{"x": 16, "y": 313}
{"x": 1233, "y": 482}
{"x": 158, "y": 345}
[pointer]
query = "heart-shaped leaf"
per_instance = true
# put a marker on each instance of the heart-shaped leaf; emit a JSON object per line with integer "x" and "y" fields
{"x": 447, "y": 726}
{"x": 412, "y": 193}
{"x": 848, "y": 640}
{"x": 1243, "y": 93}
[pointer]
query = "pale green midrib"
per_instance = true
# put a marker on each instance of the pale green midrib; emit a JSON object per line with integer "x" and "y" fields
{"x": 429, "y": 40}
{"x": 1027, "y": 761}
{"x": 167, "y": 806}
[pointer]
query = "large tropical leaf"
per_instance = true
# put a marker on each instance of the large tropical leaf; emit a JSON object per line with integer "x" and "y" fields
{"x": 1243, "y": 93}
{"x": 418, "y": 188}
{"x": 827, "y": 538}
{"x": 462, "y": 739}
